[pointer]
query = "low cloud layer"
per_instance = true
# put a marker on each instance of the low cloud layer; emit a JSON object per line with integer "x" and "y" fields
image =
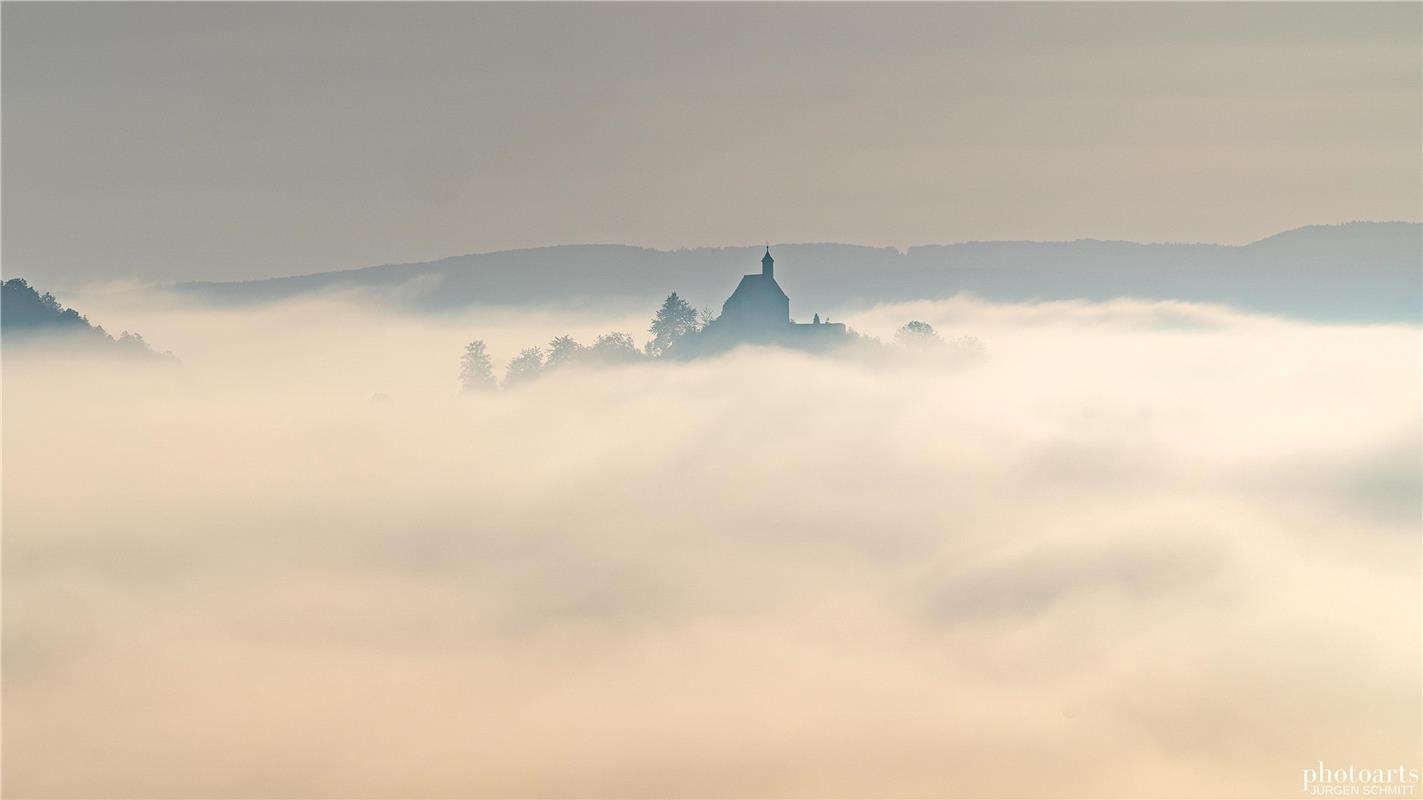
{"x": 1127, "y": 549}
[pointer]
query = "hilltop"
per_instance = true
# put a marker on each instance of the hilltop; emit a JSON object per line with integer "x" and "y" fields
{"x": 27, "y": 316}
{"x": 1358, "y": 271}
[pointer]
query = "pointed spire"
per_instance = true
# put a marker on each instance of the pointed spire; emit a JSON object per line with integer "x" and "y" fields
{"x": 768, "y": 264}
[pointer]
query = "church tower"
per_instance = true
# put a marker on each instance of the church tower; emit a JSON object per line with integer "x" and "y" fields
{"x": 768, "y": 264}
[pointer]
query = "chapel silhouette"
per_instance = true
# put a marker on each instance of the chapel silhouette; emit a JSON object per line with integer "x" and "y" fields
{"x": 759, "y": 312}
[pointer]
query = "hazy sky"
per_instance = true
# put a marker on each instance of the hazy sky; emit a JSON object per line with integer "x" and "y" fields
{"x": 172, "y": 141}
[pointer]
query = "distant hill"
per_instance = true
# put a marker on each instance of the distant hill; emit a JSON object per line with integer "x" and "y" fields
{"x": 1360, "y": 271}
{"x": 26, "y": 316}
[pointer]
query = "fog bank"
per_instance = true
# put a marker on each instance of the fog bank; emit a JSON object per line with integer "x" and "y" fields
{"x": 1129, "y": 549}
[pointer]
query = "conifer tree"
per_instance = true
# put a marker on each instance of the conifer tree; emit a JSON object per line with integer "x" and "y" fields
{"x": 477, "y": 368}
{"x": 675, "y": 319}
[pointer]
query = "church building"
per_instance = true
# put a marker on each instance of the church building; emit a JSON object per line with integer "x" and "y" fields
{"x": 758, "y": 302}
{"x": 759, "y": 311}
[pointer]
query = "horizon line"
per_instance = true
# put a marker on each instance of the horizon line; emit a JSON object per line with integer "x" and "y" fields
{"x": 902, "y": 250}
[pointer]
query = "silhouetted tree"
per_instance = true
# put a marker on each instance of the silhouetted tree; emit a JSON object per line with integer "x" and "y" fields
{"x": 477, "y": 368}
{"x": 25, "y": 312}
{"x": 675, "y": 319}
{"x": 524, "y": 367}
{"x": 133, "y": 343}
{"x": 25, "y": 308}
{"x": 562, "y": 350}
{"x": 614, "y": 348}
{"x": 917, "y": 334}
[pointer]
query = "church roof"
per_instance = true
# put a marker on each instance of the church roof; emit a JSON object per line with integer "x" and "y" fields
{"x": 757, "y": 284}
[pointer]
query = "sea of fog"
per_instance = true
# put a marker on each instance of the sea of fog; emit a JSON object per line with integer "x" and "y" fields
{"x": 1121, "y": 549}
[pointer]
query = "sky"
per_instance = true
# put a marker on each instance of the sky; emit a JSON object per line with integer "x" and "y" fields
{"x": 222, "y": 141}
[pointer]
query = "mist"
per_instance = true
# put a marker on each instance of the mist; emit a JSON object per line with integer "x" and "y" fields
{"x": 1123, "y": 548}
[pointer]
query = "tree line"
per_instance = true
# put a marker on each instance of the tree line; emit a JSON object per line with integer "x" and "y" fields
{"x": 675, "y": 319}
{"x": 25, "y": 313}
